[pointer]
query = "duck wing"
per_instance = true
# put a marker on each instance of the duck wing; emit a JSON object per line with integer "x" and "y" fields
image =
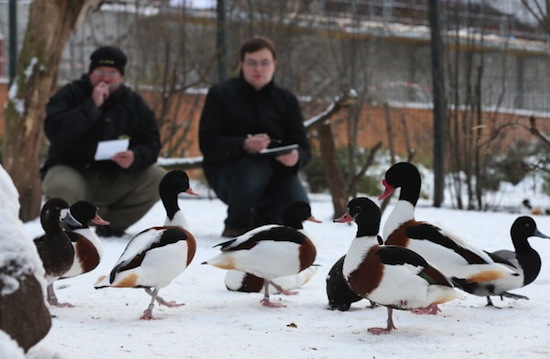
{"x": 264, "y": 233}
{"x": 145, "y": 242}
{"x": 396, "y": 255}
{"x": 434, "y": 234}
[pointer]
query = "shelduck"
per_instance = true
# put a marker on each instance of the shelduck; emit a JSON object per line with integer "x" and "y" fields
{"x": 88, "y": 248}
{"x": 459, "y": 261}
{"x": 268, "y": 252}
{"x": 392, "y": 276}
{"x": 293, "y": 216}
{"x": 157, "y": 255}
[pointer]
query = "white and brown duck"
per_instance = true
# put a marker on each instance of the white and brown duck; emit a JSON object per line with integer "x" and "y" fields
{"x": 268, "y": 252}
{"x": 156, "y": 256}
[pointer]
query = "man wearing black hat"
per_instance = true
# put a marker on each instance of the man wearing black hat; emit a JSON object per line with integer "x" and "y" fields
{"x": 104, "y": 142}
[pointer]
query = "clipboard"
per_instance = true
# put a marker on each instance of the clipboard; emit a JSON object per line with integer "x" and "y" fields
{"x": 276, "y": 151}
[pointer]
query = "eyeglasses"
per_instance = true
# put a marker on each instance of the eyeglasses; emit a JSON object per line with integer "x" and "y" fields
{"x": 110, "y": 74}
{"x": 263, "y": 63}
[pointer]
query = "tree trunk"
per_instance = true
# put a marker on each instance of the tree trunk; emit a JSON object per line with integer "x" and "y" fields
{"x": 333, "y": 173}
{"x": 49, "y": 27}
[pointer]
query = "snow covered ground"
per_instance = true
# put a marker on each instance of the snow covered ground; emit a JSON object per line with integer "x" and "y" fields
{"x": 217, "y": 323}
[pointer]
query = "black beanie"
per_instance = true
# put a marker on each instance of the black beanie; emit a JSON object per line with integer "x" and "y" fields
{"x": 108, "y": 56}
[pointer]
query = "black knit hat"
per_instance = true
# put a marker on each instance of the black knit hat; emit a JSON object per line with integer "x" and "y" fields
{"x": 108, "y": 56}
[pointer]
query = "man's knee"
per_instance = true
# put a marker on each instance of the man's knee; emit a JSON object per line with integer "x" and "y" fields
{"x": 153, "y": 175}
{"x": 147, "y": 186}
{"x": 64, "y": 182}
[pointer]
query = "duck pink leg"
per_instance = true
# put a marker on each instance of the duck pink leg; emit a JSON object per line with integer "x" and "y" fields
{"x": 431, "y": 309}
{"x": 281, "y": 289}
{"x": 388, "y": 329}
{"x": 148, "y": 313}
{"x": 52, "y": 298}
{"x": 265, "y": 301}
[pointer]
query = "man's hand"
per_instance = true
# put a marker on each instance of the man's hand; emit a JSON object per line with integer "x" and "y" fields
{"x": 124, "y": 159}
{"x": 256, "y": 143}
{"x": 289, "y": 159}
{"x": 100, "y": 93}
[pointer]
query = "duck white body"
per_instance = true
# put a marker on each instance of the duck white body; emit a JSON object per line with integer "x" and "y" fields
{"x": 157, "y": 255}
{"x": 79, "y": 267}
{"x": 254, "y": 259}
{"x": 398, "y": 282}
{"x": 442, "y": 248}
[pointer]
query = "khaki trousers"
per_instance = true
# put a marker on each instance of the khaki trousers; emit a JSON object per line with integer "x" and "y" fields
{"x": 122, "y": 200}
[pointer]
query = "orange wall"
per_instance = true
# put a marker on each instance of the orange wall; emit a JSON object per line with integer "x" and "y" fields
{"x": 179, "y": 126}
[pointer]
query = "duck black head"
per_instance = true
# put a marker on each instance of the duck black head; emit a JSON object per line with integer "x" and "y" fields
{"x": 402, "y": 175}
{"x": 296, "y": 213}
{"x": 523, "y": 228}
{"x": 52, "y": 212}
{"x": 365, "y": 213}
{"x": 85, "y": 213}
{"x": 174, "y": 182}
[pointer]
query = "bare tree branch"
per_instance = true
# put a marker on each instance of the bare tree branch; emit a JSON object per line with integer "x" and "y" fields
{"x": 534, "y": 130}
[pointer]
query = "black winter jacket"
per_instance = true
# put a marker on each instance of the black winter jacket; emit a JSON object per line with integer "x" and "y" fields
{"x": 74, "y": 125}
{"x": 233, "y": 109}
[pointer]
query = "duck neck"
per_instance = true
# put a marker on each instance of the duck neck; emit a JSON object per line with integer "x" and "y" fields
{"x": 357, "y": 251}
{"x": 531, "y": 263}
{"x": 410, "y": 192}
{"x": 170, "y": 202}
{"x": 292, "y": 222}
{"x": 401, "y": 213}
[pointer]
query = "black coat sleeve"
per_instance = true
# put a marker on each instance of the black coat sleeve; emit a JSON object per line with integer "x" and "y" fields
{"x": 70, "y": 116}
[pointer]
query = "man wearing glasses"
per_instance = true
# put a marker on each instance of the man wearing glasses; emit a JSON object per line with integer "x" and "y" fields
{"x": 104, "y": 143}
{"x": 242, "y": 119}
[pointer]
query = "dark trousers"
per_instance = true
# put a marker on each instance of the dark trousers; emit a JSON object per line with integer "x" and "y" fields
{"x": 254, "y": 184}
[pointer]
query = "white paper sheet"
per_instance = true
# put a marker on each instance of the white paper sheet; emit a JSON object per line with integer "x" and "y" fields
{"x": 107, "y": 149}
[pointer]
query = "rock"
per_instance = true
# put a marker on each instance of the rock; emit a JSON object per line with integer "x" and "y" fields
{"x": 23, "y": 313}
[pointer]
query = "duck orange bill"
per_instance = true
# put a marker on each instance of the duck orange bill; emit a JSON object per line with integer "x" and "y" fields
{"x": 344, "y": 219}
{"x": 389, "y": 190}
{"x": 313, "y": 219}
{"x": 100, "y": 221}
{"x": 191, "y": 192}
